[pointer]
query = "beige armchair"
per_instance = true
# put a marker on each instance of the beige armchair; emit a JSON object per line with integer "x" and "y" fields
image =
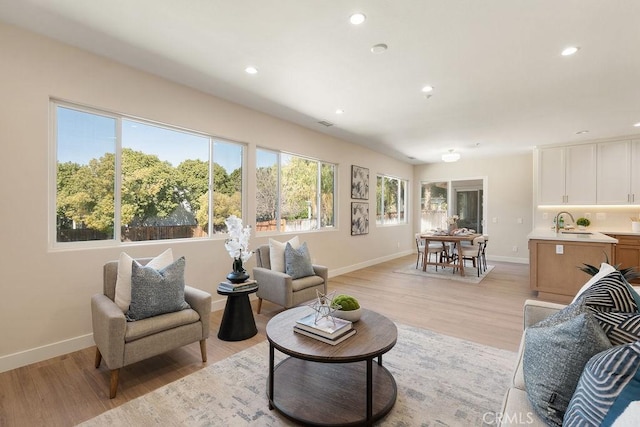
{"x": 121, "y": 343}
{"x": 282, "y": 289}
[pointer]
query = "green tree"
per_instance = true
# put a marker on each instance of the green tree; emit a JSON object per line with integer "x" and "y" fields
{"x": 266, "y": 193}
{"x": 193, "y": 181}
{"x": 299, "y": 186}
{"x": 235, "y": 180}
{"x": 85, "y": 194}
{"x": 221, "y": 182}
{"x": 149, "y": 187}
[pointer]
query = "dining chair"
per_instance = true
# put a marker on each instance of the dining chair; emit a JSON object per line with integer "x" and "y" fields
{"x": 484, "y": 249}
{"x": 424, "y": 252}
{"x": 472, "y": 253}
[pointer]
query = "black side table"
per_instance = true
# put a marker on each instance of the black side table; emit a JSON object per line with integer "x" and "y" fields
{"x": 237, "y": 321}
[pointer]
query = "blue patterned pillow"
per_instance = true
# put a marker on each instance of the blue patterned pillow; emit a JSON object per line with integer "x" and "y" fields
{"x": 609, "y": 383}
{"x": 555, "y": 355}
{"x": 155, "y": 292}
{"x": 297, "y": 262}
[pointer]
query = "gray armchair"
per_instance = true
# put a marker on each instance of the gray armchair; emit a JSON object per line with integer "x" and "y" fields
{"x": 121, "y": 343}
{"x": 282, "y": 289}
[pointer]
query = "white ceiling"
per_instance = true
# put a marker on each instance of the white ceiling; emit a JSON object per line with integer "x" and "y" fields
{"x": 501, "y": 85}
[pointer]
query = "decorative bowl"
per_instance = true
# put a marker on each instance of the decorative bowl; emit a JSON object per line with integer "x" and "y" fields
{"x": 351, "y": 315}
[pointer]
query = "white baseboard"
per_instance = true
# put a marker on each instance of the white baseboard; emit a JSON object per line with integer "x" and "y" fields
{"x": 508, "y": 259}
{"x": 368, "y": 263}
{"x": 38, "y": 354}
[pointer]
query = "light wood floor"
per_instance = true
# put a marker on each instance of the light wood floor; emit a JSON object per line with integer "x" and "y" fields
{"x": 66, "y": 390}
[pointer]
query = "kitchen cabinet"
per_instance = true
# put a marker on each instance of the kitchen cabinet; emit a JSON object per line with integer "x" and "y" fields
{"x": 627, "y": 252}
{"x": 618, "y": 177}
{"x": 567, "y": 175}
{"x": 554, "y": 266}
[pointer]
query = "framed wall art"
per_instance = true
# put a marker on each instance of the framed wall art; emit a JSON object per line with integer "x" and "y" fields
{"x": 359, "y": 182}
{"x": 359, "y": 218}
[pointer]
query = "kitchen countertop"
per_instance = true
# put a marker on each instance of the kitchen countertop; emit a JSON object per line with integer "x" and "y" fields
{"x": 575, "y": 236}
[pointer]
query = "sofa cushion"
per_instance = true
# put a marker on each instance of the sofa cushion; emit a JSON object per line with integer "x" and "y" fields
{"x": 298, "y": 261}
{"x": 306, "y": 282}
{"x": 554, "y": 357}
{"x": 162, "y": 322}
{"x": 609, "y": 383}
{"x": 276, "y": 252}
{"x": 123, "y": 280}
{"x": 155, "y": 292}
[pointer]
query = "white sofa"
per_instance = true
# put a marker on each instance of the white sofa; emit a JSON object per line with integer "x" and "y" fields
{"x": 516, "y": 409}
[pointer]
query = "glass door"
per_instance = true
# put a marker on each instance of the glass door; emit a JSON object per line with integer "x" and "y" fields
{"x": 469, "y": 208}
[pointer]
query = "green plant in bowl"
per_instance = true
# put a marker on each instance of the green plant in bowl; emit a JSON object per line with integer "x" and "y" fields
{"x": 349, "y": 308}
{"x": 346, "y": 302}
{"x": 583, "y": 222}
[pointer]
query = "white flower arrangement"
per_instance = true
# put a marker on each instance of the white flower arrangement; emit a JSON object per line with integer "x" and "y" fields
{"x": 453, "y": 219}
{"x": 238, "y": 242}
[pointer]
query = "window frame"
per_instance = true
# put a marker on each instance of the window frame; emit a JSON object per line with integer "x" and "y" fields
{"x": 401, "y": 182}
{"x": 116, "y": 241}
{"x": 318, "y": 195}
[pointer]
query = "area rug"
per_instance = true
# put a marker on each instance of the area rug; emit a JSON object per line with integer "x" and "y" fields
{"x": 442, "y": 381}
{"x": 470, "y": 273}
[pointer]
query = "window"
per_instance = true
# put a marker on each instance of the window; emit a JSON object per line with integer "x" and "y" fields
{"x": 434, "y": 204}
{"x": 129, "y": 180}
{"x": 391, "y": 201}
{"x": 293, "y": 193}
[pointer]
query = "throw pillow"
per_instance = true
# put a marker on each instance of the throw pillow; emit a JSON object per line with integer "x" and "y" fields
{"x": 298, "y": 261}
{"x": 553, "y": 360}
{"x": 621, "y": 328}
{"x": 611, "y": 293}
{"x": 608, "y": 385}
{"x": 155, "y": 292}
{"x": 123, "y": 280}
{"x": 276, "y": 253}
{"x": 605, "y": 269}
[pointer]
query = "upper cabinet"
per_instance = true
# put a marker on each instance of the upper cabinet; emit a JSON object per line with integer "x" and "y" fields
{"x": 619, "y": 173}
{"x": 605, "y": 173}
{"x": 567, "y": 175}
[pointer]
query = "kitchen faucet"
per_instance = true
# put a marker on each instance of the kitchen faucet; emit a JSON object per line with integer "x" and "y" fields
{"x": 557, "y": 221}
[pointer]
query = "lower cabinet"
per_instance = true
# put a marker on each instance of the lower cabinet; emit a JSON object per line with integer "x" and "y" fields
{"x": 555, "y": 266}
{"x": 627, "y": 252}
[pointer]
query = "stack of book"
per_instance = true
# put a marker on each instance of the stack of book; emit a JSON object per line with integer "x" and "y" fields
{"x": 331, "y": 330}
{"x": 234, "y": 287}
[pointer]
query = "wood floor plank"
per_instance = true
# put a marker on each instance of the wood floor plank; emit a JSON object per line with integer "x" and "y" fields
{"x": 68, "y": 389}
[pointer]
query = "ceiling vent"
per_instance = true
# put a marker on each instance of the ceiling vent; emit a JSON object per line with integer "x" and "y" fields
{"x": 325, "y": 123}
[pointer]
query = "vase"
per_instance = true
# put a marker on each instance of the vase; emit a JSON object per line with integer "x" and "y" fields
{"x": 239, "y": 274}
{"x": 351, "y": 315}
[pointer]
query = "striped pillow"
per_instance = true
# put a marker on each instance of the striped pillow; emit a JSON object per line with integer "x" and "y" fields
{"x": 611, "y": 293}
{"x": 614, "y": 303}
{"x": 609, "y": 383}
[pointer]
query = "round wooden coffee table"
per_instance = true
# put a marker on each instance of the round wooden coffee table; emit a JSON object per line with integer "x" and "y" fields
{"x": 325, "y": 385}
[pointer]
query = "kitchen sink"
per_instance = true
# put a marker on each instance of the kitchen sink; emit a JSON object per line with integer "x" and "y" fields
{"x": 576, "y": 232}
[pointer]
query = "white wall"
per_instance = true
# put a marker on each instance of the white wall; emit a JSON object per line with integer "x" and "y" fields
{"x": 44, "y": 308}
{"x": 509, "y": 197}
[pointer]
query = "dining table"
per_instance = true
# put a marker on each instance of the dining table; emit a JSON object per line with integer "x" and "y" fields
{"x": 456, "y": 239}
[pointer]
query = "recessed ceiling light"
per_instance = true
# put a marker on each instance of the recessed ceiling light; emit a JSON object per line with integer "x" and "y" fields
{"x": 637, "y": 125}
{"x": 379, "y": 48}
{"x": 570, "y": 50}
{"x": 251, "y": 70}
{"x": 580, "y": 132}
{"x": 339, "y": 111}
{"x": 427, "y": 89}
{"x": 357, "y": 18}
